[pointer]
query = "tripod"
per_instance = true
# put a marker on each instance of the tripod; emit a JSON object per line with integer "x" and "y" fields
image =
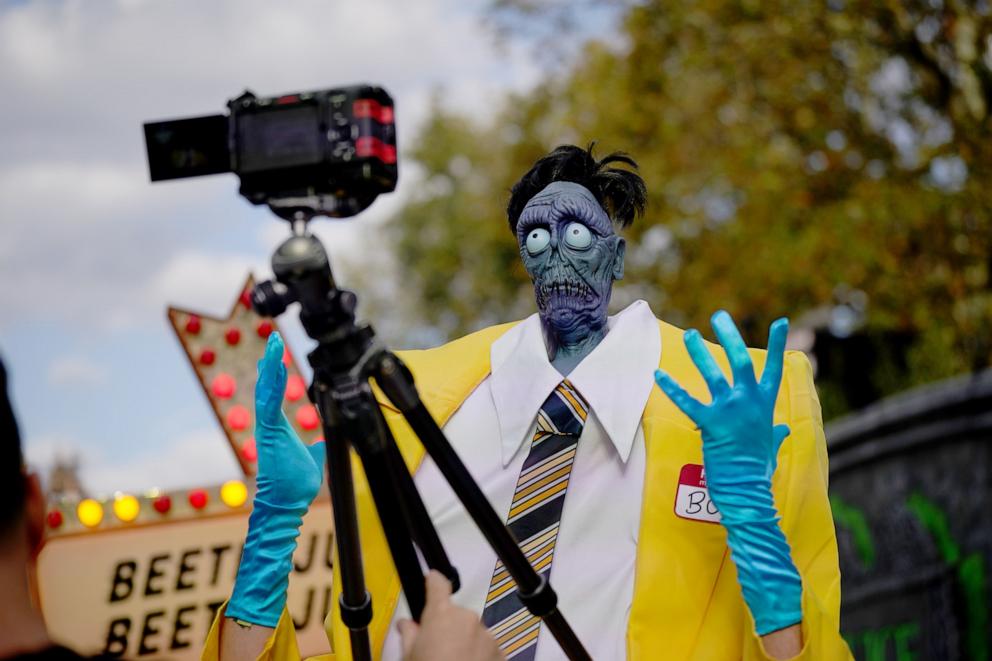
{"x": 346, "y": 357}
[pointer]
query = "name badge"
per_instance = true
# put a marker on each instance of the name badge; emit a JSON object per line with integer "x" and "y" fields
{"x": 692, "y": 500}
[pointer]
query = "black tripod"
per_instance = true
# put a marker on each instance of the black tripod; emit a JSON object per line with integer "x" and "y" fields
{"x": 346, "y": 357}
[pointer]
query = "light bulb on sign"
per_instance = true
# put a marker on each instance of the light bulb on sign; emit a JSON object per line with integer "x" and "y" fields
{"x": 234, "y": 493}
{"x": 89, "y": 512}
{"x": 126, "y": 507}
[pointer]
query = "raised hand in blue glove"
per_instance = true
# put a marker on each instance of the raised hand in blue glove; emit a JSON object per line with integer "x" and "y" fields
{"x": 740, "y": 447}
{"x": 289, "y": 477}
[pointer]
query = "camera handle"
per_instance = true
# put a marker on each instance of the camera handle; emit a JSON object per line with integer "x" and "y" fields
{"x": 346, "y": 357}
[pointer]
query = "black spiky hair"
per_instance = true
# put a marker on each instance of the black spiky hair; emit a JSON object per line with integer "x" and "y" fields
{"x": 620, "y": 192}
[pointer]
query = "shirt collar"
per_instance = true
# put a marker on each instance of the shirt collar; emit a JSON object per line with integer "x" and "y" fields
{"x": 615, "y": 378}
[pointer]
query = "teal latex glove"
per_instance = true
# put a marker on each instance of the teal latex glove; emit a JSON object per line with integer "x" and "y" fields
{"x": 740, "y": 448}
{"x": 289, "y": 477}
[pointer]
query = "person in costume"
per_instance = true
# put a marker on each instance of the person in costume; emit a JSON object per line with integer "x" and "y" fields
{"x": 670, "y": 528}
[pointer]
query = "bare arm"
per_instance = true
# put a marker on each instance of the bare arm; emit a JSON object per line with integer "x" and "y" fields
{"x": 239, "y": 642}
{"x": 784, "y": 643}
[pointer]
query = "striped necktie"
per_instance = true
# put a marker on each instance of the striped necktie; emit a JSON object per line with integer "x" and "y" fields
{"x": 535, "y": 514}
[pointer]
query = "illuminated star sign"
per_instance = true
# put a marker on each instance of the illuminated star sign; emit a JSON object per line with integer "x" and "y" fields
{"x": 224, "y": 354}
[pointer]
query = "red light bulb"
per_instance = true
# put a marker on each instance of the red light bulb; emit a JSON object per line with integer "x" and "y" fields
{"x": 249, "y": 451}
{"x": 238, "y": 417}
{"x": 223, "y": 385}
{"x": 232, "y": 336}
{"x": 295, "y": 388}
{"x": 307, "y": 418}
{"x": 198, "y": 499}
{"x": 162, "y": 504}
{"x": 54, "y": 519}
{"x": 193, "y": 325}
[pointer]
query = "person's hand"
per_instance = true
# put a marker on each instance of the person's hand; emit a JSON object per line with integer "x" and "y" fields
{"x": 289, "y": 477}
{"x": 740, "y": 449}
{"x": 446, "y": 632}
{"x": 289, "y": 472}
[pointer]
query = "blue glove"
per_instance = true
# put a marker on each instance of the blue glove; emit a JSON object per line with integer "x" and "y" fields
{"x": 740, "y": 447}
{"x": 289, "y": 477}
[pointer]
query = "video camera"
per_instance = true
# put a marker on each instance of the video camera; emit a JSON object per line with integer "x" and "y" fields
{"x": 329, "y": 152}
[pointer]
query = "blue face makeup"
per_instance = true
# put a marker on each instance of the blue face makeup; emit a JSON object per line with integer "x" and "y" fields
{"x": 573, "y": 255}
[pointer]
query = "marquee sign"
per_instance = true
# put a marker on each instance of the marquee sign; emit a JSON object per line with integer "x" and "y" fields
{"x": 151, "y": 592}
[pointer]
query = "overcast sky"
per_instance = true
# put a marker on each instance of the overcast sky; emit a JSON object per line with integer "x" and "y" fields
{"x": 91, "y": 253}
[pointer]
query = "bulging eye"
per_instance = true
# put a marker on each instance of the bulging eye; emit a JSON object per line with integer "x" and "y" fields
{"x": 578, "y": 236}
{"x": 537, "y": 240}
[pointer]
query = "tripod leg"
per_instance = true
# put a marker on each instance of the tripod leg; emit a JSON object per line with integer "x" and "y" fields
{"x": 421, "y": 527}
{"x": 369, "y": 435}
{"x": 355, "y": 601}
{"x": 398, "y": 534}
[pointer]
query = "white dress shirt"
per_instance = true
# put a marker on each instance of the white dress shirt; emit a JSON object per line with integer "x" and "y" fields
{"x": 593, "y": 567}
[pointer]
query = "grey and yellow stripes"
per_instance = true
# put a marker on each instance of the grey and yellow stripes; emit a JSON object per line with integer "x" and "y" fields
{"x": 535, "y": 516}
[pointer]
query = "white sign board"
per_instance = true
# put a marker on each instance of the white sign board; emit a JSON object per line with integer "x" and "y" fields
{"x": 150, "y": 592}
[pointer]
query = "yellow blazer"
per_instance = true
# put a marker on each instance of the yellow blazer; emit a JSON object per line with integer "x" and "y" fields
{"x": 687, "y": 603}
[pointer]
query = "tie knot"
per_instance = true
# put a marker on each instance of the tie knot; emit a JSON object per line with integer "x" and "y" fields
{"x": 564, "y": 411}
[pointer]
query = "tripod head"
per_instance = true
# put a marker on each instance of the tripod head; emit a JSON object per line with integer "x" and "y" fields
{"x": 303, "y": 275}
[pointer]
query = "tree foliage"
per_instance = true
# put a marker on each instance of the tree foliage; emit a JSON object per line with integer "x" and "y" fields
{"x": 797, "y": 156}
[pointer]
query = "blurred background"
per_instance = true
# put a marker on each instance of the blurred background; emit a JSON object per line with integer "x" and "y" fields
{"x": 830, "y": 161}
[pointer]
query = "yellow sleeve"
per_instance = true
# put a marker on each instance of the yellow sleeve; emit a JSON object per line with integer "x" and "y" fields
{"x": 281, "y": 646}
{"x": 807, "y": 521}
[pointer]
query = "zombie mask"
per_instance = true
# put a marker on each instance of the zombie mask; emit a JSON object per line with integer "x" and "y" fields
{"x": 573, "y": 255}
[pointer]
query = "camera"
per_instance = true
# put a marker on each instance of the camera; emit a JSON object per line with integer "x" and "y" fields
{"x": 328, "y": 152}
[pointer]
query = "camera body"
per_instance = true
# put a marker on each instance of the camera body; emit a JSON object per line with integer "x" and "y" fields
{"x": 328, "y": 152}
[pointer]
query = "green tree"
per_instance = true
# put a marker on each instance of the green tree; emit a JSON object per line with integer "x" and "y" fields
{"x": 794, "y": 153}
